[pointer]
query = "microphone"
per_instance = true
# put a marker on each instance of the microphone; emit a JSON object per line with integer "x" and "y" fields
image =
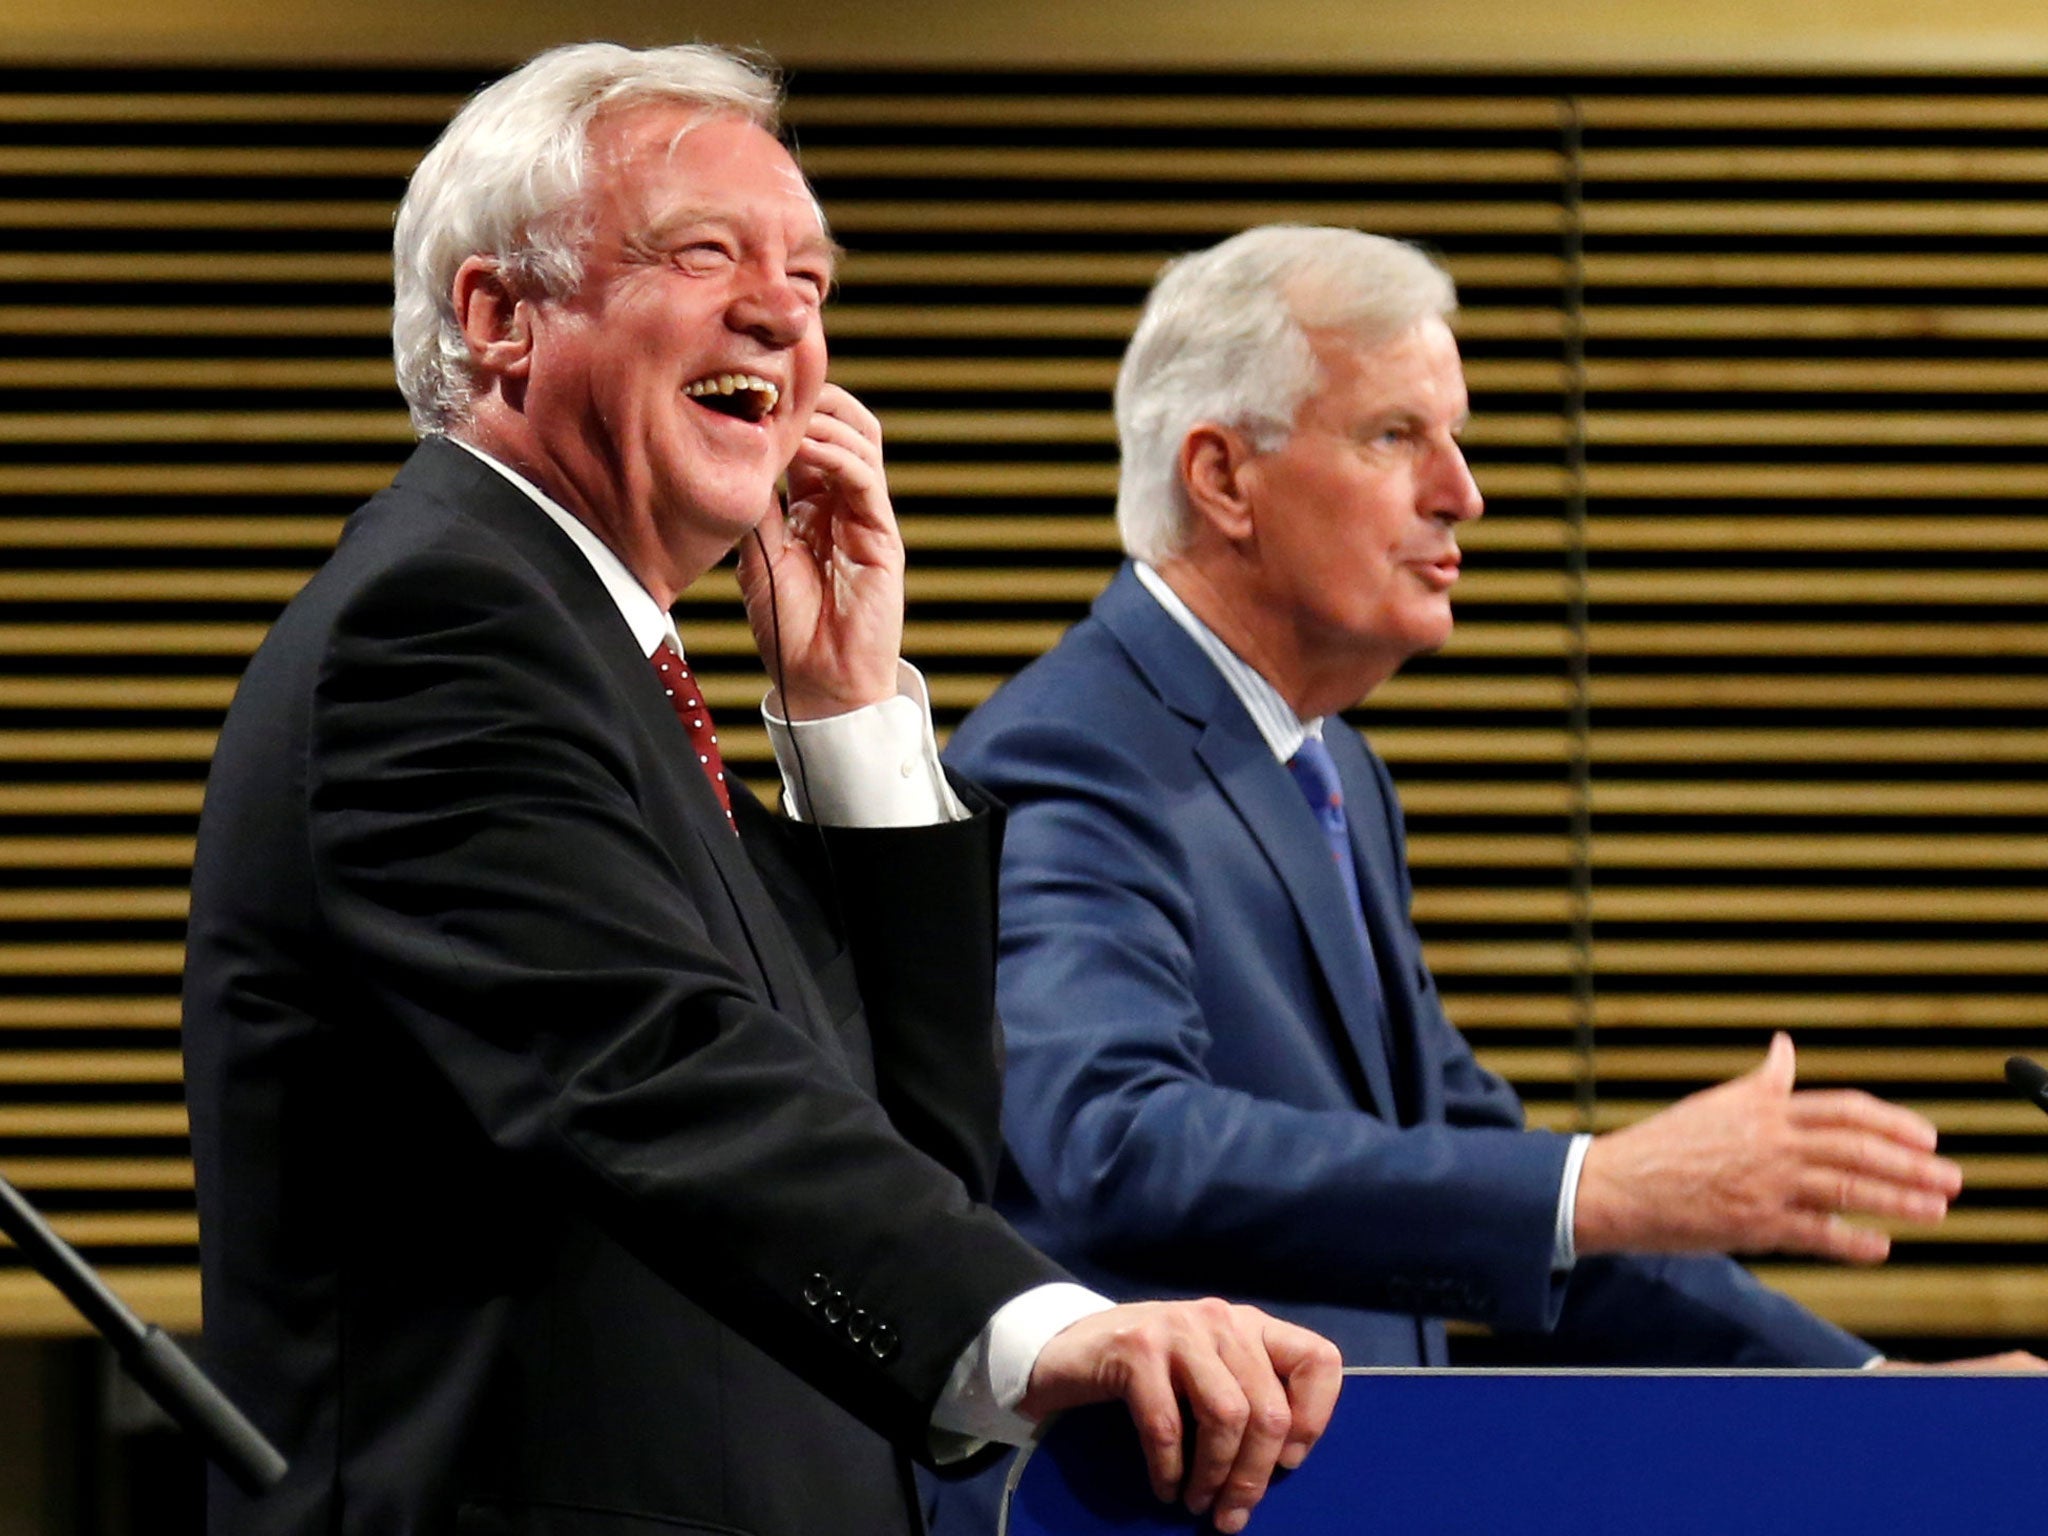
{"x": 2030, "y": 1078}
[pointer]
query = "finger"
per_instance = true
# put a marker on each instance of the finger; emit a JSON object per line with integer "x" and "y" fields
{"x": 1779, "y": 1066}
{"x": 1875, "y": 1158}
{"x": 825, "y": 429}
{"x": 1155, "y": 1410}
{"x": 1221, "y": 1411}
{"x": 838, "y": 403}
{"x": 838, "y": 462}
{"x": 1313, "y": 1373}
{"x": 1268, "y": 1417}
{"x": 1830, "y": 1237}
{"x": 1835, "y": 1191}
{"x": 1852, "y": 1109}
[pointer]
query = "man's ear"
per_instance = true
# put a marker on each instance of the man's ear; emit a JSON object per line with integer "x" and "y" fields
{"x": 495, "y": 321}
{"x": 1213, "y": 464}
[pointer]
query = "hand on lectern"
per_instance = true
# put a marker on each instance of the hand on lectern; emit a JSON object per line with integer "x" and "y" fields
{"x": 1260, "y": 1392}
{"x": 1752, "y": 1166}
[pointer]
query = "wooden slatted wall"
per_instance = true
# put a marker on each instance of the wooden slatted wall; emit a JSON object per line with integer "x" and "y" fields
{"x": 1810, "y": 676}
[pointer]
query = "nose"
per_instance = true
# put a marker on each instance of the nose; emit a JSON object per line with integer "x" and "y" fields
{"x": 772, "y": 309}
{"x": 1450, "y": 492}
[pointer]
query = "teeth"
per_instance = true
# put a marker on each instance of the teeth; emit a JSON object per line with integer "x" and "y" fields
{"x": 732, "y": 383}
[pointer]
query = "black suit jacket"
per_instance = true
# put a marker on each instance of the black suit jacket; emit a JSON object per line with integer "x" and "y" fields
{"x": 565, "y": 1163}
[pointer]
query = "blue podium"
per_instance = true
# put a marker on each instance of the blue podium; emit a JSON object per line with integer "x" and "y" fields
{"x": 1586, "y": 1453}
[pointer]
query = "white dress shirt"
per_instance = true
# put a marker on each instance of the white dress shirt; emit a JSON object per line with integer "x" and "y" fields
{"x": 872, "y": 767}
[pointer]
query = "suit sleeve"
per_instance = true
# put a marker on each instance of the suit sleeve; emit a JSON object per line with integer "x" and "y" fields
{"x": 485, "y": 859}
{"x": 1132, "y": 1146}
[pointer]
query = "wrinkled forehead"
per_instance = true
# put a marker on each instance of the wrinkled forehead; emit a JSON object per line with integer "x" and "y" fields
{"x": 658, "y": 162}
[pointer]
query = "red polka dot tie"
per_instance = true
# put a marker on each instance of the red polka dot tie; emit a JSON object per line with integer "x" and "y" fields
{"x": 687, "y": 700}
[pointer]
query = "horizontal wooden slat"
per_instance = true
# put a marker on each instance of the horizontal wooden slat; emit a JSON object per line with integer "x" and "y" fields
{"x": 195, "y": 373}
{"x": 426, "y": 109}
{"x": 182, "y": 426}
{"x": 1743, "y": 904}
{"x": 294, "y": 161}
{"x": 1848, "y": 163}
{"x": 67, "y": 905}
{"x": 1192, "y": 217}
{"x": 1996, "y": 429}
{"x": 1889, "y": 375}
{"x": 102, "y": 1067}
{"x": 1757, "y": 1012}
{"x": 1816, "y": 269}
{"x": 94, "y": 1120}
{"x": 91, "y": 959}
{"x": 115, "y": 1173}
{"x": 225, "y": 530}
{"x": 1617, "y": 959}
{"x": 238, "y": 216}
{"x": 194, "y": 266}
{"x": 111, "y": 746}
{"x": 1947, "y": 217}
{"x": 1763, "y": 850}
{"x": 1848, "y": 108}
{"x": 87, "y": 1012}
{"x": 1168, "y": 110}
{"x": 193, "y": 320}
{"x": 1684, "y": 1067}
{"x": 1816, "y": 322}
{"x": 124, "y": 1229}
{"x": 1992, "y": 639}
{"x": 1125, "y": 163}
{"x": 149, "y": 852}
{"x": 165, "y": 1296}
{"x": 119, "y": 693}
{"x": 108, "y": 798}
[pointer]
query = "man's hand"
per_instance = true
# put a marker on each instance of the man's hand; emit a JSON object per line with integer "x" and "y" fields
{"x": 837, "y": 561}
{"x": 1751, "y": 1167}
{"x": 1261, "y": 1392}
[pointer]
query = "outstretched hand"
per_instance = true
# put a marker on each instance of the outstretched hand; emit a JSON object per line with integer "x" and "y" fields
{"x": 830, "y": 624}
{"x": 1260, "y": 1392}
{"x": 1751, "y": 1166}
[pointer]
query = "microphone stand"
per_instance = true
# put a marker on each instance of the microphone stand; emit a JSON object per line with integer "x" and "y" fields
{"x": 146, "y": 1352}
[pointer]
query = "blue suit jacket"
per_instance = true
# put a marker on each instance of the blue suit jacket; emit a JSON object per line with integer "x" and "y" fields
{"x": 1197, "y": 1098}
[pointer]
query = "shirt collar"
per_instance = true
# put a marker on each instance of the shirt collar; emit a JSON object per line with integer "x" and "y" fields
{"x": 647, "y": 619}
{"x": 1282, "y": 729}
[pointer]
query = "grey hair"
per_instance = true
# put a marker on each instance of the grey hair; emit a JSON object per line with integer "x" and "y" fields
{"x": 506, "y": 178}
{"x": 1224, "y": 340}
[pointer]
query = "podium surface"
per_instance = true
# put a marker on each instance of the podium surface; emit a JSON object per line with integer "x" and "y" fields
{"x": 1585, "y": 1453}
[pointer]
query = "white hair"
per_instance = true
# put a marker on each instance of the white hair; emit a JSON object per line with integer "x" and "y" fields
{"x": 1224, "y": 340}
{"x": 505, "y": 180}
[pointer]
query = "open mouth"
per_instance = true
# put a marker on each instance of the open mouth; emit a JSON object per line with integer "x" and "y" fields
{"x": 740, "y": 395}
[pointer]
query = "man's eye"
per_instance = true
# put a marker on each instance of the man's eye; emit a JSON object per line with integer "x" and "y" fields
{"x": 815, "y": 284}
{"x": 703, "y": 255}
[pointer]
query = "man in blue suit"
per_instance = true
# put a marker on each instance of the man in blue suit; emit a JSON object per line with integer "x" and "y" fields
{"x": 1228, "y": 1066}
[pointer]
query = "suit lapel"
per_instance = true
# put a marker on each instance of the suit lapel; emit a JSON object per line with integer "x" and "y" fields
{"x": 447, "y": 472}
{"x": 1265, "y": 798}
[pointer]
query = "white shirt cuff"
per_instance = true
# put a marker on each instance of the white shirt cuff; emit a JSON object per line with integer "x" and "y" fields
{"x": 872, "y": 767}
{"x": 1564, "y": 1252}
{"x": 991, "y": 1375}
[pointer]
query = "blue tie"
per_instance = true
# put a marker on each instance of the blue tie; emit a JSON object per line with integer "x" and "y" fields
{"x": 1315, "y": 773}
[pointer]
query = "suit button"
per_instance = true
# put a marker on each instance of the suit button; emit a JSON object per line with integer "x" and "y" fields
{"x": 859, "y": 1324}
{"x": 882, "y": 1343}
{"x": 815, "y": 1289}
{"x": 835, "y": 1306}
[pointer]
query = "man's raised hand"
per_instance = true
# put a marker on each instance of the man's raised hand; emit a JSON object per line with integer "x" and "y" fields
{"x": 1752, "y": 1166}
